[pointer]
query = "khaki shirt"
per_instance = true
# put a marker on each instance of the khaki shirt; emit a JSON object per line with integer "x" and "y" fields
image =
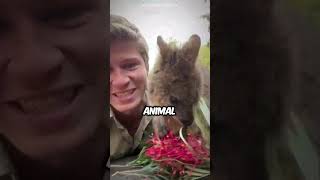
{"x": 7, "y": 171}
{"x": 121, "y": 142}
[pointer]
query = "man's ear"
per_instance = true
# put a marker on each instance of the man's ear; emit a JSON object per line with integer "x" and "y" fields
{"x": 163, "y": 46}
{"x": 191, "y": 48}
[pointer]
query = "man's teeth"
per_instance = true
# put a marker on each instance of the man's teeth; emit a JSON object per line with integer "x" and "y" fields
{"x": 124, "y": 93}
{"x": 48, "y": 103}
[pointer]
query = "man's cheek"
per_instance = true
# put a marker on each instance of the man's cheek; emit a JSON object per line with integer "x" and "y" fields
{"x": 78, "y": 42}
{"x": 92, "y": 57}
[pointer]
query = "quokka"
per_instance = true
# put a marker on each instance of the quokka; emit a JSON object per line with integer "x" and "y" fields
{"x": 175, "y": 81}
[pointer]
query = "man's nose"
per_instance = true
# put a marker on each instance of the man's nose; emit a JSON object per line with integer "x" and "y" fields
{"x": 34, "y": 61}
{"x": 118, "y": 79}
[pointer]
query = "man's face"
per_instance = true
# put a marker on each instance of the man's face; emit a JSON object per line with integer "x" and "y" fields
{"x": 128, "y": 76}
{"x": 52, "y": 73}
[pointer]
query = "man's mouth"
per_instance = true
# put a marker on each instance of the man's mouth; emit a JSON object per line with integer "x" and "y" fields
{"x": 47, "y": 103}
{"x": 124, "y": 93}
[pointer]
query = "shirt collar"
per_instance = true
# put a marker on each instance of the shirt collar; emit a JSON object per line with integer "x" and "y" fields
{"x": 117, "y": 123}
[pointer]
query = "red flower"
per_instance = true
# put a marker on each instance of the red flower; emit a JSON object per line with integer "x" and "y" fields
{"x": 173, "y": 153}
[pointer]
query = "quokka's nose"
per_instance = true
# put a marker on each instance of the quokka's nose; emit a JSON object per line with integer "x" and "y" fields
{"x": 187, "y": 121}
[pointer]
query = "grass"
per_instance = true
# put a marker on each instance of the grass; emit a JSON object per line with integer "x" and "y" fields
{"x": 204, "y": 56}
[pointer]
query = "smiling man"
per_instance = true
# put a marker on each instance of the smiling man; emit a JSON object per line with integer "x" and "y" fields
{"x": 52, "y": 89}
{"x": 128, "y": 79}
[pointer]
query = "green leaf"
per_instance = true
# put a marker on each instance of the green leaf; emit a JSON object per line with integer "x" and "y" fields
{"x": 202, "y": 119}
{"x": 195, "y": 178}
{"x": 199, "y": 170}
{"x": 204, "y": 56}
{"x": 204, "y": 110}
{"x": 303, "y": 150}
{"x": 162, "y": 177}
{"x": 142, "y": 159}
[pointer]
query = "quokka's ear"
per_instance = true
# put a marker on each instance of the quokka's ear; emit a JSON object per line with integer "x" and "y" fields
{"x": 163, "y": 46}
{"x": 191, "y": 48}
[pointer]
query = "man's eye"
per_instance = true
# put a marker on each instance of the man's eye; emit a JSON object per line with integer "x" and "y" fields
{"x": 67, "y": 18}
{"x": 131, "y": 66}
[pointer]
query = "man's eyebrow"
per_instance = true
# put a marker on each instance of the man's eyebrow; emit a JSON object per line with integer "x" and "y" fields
{"x": 49, "y": 6}
{"x": 130, "y": 59}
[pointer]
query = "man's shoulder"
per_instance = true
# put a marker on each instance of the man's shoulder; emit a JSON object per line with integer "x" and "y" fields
{"x": 111, "y": 113}
{"x": 6, "y": 167}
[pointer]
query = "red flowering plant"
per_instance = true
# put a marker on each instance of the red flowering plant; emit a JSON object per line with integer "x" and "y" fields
{"x": 172, "y": 157}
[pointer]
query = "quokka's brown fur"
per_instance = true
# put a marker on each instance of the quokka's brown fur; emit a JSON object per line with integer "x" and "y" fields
{"x": 176, "y": 81}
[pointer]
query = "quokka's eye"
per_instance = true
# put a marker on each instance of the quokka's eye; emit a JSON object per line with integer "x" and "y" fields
{"x": 174, "y": 101}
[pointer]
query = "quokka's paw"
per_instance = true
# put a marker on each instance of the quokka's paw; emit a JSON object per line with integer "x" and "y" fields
{"x": 174, "y": 125}
{"x": 159, "y": 126}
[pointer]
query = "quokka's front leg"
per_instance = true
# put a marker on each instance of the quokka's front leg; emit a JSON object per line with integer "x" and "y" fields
{"x": 162, "y": 125}
{"x": 159, "y": 126}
